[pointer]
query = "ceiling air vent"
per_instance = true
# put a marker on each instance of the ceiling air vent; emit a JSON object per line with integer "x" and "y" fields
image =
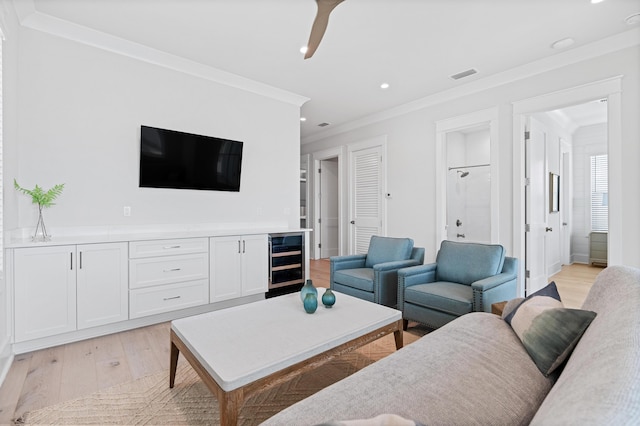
{"x": 464, "y": 74}
{"x": 323, "y": 124}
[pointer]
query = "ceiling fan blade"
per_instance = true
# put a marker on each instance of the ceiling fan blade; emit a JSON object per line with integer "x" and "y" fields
{"x": 320, "y": 24}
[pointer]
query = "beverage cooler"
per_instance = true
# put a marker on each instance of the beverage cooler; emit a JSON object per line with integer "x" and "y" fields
{"x": 286, "y": 262}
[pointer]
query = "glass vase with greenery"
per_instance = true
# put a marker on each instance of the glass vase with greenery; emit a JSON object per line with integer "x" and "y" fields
{"x": 43, "y": 199}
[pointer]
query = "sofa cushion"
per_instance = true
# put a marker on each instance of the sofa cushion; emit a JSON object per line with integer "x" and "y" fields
{"x": 548, "y": 331}
{"x": 452, "y": 298}
{"x": 360, "y": 278}
{"x": 466, "y": 263}
{"x": 473, "y": 370}
{"x": 387, "y": 249}
{"x": 599, "y": 383}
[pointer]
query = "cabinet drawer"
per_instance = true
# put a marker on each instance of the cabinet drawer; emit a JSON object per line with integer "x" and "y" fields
{"x": 168, "y": 270}
{"x": 140, "y": 249}
{"x": 165, "y": 298}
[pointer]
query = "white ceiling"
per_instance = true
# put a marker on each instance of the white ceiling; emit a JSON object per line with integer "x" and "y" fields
{"x": 414, "y": 45}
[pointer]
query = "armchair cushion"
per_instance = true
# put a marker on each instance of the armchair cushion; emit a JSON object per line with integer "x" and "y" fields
{"x": 360, "y": 278}
{"x": 452, "y": 298}
{"x": 466, "y": 263}
{"x": 387, "y": 249}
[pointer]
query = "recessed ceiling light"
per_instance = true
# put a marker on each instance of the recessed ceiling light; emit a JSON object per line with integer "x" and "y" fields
{"x": 384, "y": 86}
{"x": 304, "y": 49}
{"x": 564, "y": 43}
{"x": 632, "y": 19}
{"x": 303, "y": 119}
{"x": 596, "y": 1}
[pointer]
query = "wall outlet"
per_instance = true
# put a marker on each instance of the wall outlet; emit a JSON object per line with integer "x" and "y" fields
{"x": 127, "y": 211}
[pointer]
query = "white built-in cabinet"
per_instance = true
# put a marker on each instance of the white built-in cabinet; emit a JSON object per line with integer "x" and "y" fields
{"x": 238, "y": 267}
{"x": 167, "y": 275}
{"x": 63, "y": 293}
{"x": 60, "y": 289}
{"x": 101, "y": 286}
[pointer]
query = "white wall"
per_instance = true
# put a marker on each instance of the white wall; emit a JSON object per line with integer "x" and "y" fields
{"x": 79, "y": 113}
{"x": 587, "y": 141}
{"x": 9, "y": 165}
{"x": 411, "y": 148}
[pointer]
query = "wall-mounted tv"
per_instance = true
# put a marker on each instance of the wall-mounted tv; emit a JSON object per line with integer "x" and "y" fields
{"x": 171, "y": 159}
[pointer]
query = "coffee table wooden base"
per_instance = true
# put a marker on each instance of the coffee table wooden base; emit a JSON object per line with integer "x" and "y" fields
{"x": 230, "y": 402}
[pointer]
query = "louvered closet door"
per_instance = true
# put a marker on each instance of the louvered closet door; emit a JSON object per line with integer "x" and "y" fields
{"x": 365, "y": 198}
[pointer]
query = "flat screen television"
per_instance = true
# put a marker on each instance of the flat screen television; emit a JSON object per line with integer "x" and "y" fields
{"x": 171, "y": 159}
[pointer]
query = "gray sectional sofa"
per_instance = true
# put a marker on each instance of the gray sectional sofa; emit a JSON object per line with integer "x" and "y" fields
{"x": 476, "y": 371}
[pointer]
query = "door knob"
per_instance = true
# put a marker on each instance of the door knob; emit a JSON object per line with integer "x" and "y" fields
{"x": 548, "y": 229}
{"x": 353, "y": 222}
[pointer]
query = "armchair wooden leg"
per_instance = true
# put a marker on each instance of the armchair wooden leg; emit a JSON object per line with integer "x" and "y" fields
{"x": 405, "y": 324}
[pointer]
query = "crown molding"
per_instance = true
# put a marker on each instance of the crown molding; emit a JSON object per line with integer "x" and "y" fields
{"x": 585, "y": 52}
{"x": 29, "y": 17}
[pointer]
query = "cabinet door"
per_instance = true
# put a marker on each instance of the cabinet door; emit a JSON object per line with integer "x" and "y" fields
{"x": 255, "y": 264}
{"x": 44, "y": 291}
{"x": 225, "y": 268}
{"x": 102, "y": 287}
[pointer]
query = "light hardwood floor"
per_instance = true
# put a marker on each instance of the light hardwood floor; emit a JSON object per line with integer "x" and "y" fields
{"x": 50, "y": 376}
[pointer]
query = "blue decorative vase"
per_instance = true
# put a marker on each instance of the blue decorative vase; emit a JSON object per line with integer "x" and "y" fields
{"x": 328, "y": 298}
{"x": 310, "y": 303}
{"x": 308, "y": 288}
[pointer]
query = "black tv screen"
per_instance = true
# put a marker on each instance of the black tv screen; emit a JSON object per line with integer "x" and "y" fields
{"x": 171, "y": 159}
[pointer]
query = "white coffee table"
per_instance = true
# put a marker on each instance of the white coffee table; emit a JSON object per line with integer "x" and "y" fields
{"x": 239, "y": 350}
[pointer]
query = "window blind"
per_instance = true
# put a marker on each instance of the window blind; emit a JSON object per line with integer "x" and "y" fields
{"x": 599, "y": 193}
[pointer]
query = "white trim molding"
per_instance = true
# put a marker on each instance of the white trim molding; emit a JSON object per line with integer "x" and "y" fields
{"x": 30, "y": 18}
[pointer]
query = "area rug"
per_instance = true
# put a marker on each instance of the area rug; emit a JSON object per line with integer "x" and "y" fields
{"x": 149, "y": 401}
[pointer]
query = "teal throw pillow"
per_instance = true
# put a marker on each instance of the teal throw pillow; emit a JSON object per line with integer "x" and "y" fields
{"x": 547, "y": 329}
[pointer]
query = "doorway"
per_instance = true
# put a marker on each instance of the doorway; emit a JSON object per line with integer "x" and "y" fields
{"x": 535, "y": 259}
{"x": 467, "y": 178}
{"x": 328, "y": 205}
{"x": 469, "y": 185}
{"x": 329, "y": 208}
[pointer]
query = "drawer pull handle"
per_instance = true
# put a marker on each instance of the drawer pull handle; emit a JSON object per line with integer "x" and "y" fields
{"x": 170, "y": 247}
{"x": 171, "y": 270}
{"x": 172, "y": 298}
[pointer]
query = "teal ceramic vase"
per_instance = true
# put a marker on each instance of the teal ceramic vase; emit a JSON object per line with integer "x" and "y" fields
{"x": 310, "y": 303}
{"x": 308, "y": 288}
{"x": 328, "y": 298}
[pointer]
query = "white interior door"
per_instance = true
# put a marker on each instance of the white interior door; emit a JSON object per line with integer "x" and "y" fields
{"x": 329, "y": 208}
{"x": 536, "y": 207}
{"x": 365, "y": 197}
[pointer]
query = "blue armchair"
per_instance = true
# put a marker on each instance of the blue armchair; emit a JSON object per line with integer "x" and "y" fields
{"x": 467, "y": 277}
{"x": 373, "y": 276}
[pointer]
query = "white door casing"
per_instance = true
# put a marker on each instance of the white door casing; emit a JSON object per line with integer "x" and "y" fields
{"x": 366, "y": 188}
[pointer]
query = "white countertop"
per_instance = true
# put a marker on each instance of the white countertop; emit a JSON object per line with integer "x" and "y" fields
{"x": 107, "y": 235}
{"x": 245, "y": 343}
